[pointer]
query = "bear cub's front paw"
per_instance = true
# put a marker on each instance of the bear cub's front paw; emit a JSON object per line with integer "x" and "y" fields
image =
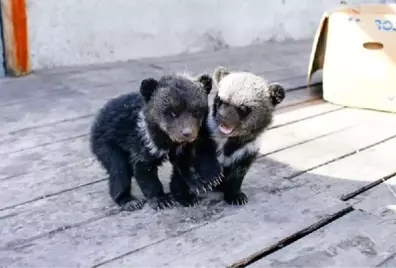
{"x": 236, "y": 199}
{"x": 211, "y": 175}
{"x": 199, "y": 182}
{"x": 161, "y": 202}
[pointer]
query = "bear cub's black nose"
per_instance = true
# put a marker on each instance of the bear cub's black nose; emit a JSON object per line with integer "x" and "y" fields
{"x": 186, "y": 132}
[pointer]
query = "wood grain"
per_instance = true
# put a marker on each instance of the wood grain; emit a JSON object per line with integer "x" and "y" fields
{"x": 358, "y": 239}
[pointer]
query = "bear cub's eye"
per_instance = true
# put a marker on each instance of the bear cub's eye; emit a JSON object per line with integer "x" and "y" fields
{"x": 243, "y": 111}
{"x": 171, "y": 113}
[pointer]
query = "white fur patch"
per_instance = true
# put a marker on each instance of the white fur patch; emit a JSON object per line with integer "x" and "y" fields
{"x": 248, "y": 148}
{"x": 243, "y": 88}
{"x": 146, "y": 138}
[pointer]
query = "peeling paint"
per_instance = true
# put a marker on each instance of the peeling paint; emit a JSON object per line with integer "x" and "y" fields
{"x": 2, "y": 63}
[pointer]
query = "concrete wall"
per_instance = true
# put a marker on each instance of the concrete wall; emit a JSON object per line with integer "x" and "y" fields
{"x": 74, "y": 32}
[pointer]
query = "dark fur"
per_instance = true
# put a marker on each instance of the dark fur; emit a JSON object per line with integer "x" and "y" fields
{"x": 173, "y": 109}
{"x": 235, "y": 173}
{"x": 195, "y": 169}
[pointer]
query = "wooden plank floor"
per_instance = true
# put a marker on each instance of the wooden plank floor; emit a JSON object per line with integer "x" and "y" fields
{"x": 321, "y": 194}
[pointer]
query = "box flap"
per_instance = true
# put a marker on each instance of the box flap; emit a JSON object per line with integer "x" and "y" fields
{"x": 319, "y": 44}
{"x": 318, "y": 48}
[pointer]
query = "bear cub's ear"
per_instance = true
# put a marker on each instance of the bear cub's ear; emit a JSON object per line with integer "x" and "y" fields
{"x": 277, "y": 93}
{"x": 206, "y": 82}
{"x": 219, "y": 73}
{"x": 148, "y": 87}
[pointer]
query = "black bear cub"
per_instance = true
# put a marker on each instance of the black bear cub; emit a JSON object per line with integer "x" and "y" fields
{"x": 134, "y": 134}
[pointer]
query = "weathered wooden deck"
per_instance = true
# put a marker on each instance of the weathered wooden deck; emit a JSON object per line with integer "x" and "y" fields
{"x": 317, "y": 195}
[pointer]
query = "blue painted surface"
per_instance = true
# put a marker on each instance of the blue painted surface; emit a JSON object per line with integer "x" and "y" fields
{"x": 385, "y": 25}
{"x": 2, "y": 64}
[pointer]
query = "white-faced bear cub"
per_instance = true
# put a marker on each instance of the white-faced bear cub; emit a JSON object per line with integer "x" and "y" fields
{"x": 241, "y": 111}
{"x": 134, "y": 134}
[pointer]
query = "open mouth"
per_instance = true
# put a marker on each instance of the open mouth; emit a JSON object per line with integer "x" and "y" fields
{"x": 225, "y": 129}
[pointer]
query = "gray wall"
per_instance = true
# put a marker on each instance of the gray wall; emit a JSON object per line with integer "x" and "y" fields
{"x": 72, "y": 32}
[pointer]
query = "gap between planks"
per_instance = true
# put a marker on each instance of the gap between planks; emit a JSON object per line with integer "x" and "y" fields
{"x": 378, "y": 201}
{"x": 367, "y": 187}
{"x": 291, "y": 239}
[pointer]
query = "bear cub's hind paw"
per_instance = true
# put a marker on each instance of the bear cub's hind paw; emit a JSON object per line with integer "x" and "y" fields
{"x": 161, "y": 202}
{"x": 133, "y": 204}
{"x": 190, "y": 200}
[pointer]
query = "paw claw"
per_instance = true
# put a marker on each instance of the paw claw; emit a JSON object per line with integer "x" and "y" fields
{"x": 133, "y": 204}
{"x": 187, "y": 200}
{"x": 162, "y": 202}
{"x": 237, "y": 199}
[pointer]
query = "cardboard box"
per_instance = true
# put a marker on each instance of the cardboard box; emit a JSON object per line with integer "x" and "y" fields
{"x": 356, "y": 48}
